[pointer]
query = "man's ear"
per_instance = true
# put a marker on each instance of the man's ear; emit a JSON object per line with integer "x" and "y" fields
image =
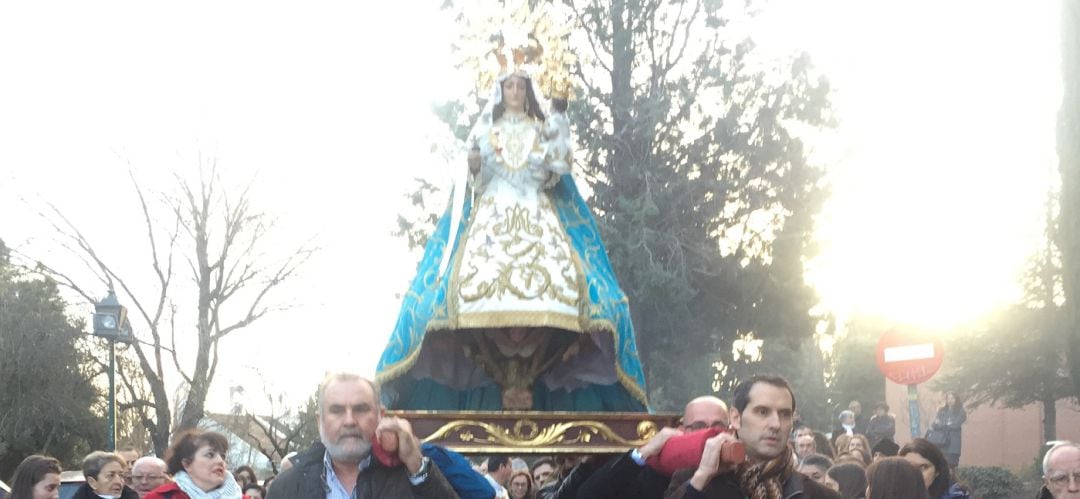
{"x": 735, "y": 417}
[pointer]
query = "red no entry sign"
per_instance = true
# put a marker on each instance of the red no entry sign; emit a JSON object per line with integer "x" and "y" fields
{"x": 908, "y": 358}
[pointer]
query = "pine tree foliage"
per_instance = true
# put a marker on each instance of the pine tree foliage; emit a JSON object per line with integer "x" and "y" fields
{"x": 50, "y": 404}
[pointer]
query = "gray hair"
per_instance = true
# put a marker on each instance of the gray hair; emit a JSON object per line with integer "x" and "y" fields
{"x": 1058, "y": 445}
{"x": 332, "y": 377}
{"x": 846, "y": 412}
{"x": 95, "y": 461}
{"x": 154, "y": 460}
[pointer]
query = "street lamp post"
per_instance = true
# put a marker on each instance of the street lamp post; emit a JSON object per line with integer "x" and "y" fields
{"x": 111, "y": 323}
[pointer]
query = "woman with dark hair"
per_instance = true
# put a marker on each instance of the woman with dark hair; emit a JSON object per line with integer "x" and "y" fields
{"x": 244, "y": 475}
{"x": 824, "y": 447}
{"x": 196, "y": 461}
{"x": 894, "y": 478}
{"x": 935, "y": 471}
{"x": 37, "y": 477}
{"x": 850, "y": 480}
{"x": 950, "y": 417}
{"x": 104, "y": 473}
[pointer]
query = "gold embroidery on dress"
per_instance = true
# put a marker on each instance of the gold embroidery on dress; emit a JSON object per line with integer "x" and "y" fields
{"x": 523, "y": 272}
{"x": 514, "y": 141}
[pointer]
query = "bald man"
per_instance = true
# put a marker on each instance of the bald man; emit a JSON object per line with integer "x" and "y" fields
{"x": 705, "y": 412}
{"x": 148, "y": 473}
{"x": 1061, "y": 472}
{"x": 628, "y": 477}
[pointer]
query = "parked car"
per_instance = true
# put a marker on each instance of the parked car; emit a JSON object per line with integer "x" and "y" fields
{"x": 70, "y": 481}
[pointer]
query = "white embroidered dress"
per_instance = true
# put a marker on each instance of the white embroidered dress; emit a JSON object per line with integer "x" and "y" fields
{"x": 516, "y": 267}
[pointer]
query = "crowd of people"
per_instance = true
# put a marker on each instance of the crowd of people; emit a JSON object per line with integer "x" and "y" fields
{"x": 194, "y": 467}
{"x": 756, "y": 448}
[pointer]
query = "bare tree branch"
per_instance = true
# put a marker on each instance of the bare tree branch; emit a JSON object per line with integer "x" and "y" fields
{"x": 221, "y": 236}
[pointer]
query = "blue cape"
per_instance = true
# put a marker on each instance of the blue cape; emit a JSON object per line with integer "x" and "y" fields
{"x": 424, "y": 309}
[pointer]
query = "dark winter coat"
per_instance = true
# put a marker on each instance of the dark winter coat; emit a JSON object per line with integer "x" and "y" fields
{"x": 950, "y": 421}
{"x": 622, "y": 478}
{"x": 307, "y": 480}
{"x": 85, "y": 492}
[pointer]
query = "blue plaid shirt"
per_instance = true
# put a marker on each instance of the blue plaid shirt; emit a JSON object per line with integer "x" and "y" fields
{"x": 334, "y": 488}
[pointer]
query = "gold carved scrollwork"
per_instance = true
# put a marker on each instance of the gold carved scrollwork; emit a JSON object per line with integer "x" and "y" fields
{"x": 527, "y": 433}
{"x": 520, "y": 431}
{"x": 646, "y": 430}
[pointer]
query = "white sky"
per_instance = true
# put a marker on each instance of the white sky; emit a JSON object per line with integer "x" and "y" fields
{"x": 938, "y": 171}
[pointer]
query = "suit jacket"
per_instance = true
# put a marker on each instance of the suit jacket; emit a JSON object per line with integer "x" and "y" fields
{"x": 622, "y": 478}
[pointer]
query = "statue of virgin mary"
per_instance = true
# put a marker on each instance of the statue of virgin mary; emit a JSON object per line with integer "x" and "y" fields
{"x": 514, "y": 305}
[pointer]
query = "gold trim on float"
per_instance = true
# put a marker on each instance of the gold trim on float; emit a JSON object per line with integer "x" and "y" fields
{"x": 527, "y": 433}
{"x": 475, "y": 320}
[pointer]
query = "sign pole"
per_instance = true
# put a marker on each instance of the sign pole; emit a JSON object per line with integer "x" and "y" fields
{"x": 913, "y": 409}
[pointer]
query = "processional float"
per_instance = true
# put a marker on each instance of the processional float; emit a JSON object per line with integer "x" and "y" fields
{"x": 514, "y": 336}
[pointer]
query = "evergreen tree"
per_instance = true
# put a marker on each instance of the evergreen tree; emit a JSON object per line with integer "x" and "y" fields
{"x": 50, "y": 405}
{"x": 1068, "y": 146}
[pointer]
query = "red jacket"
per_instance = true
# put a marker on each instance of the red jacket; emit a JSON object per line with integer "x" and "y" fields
{"x": 169, "y": 491}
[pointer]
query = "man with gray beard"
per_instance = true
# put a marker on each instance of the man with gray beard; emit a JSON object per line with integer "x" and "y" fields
{"x": 343, "y": 466}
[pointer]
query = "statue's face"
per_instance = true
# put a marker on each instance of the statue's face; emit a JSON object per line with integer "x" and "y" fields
{"x": 514, "y": 94}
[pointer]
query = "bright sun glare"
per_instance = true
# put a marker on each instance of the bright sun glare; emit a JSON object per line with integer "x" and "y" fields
{"x": 945, "y": 151}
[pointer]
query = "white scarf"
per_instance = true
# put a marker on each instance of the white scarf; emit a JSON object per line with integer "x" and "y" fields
{"x": 227, "y": 490}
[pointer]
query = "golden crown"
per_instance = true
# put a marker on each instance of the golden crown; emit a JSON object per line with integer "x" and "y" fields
{"x": 536, "y": 43}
